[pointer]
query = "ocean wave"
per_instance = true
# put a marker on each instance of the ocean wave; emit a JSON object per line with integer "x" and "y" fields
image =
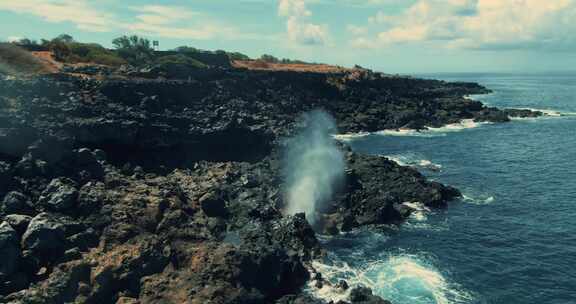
{"x": 350, "y": 136}
{"x": 426, "y": 132}
{"x": 412, "y": 160}
{"x": 418, "y": 219}
{"x": 459, "y": 126}
{"x": 546, "y": 112}
{"x": 399, "y": 278}
{"x": 419, "y": 211}
{"x": 480, "y": 97}
{"x": 478, "y": 199}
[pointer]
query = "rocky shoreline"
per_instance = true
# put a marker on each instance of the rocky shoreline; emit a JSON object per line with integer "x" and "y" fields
{"x": 125, "y": 190}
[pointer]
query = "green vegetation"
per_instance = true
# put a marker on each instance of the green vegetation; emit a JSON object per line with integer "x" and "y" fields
{"x": 238, "y": 56}
{"x": 271, "y": 59}
{"x": 138, "y": 51}
{"x": 95, "y": 53}
{"x": 15, "y": 60}
{"x": 135, "y": 50}
{"x": 188, "y": 50}
{"x": 177, "y": 65}
{"x": 179, "y": 60}
{"x": 66, "y": 49}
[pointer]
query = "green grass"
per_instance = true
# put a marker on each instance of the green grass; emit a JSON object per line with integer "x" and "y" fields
{"x": 92, "y": 53}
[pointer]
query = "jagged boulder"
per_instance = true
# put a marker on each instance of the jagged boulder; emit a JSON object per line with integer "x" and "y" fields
{"x": 60, "y": 195}
{"x": 16, "y": 203}
{"x": 363, "y": 295}
{"x": 223, "y": 273}
{"x": 9, "y": 251}
{"x": 67, "y": 283}
{"x": 45, "y": 236}
{"x": 376, "y": 189}
{"x": 19, "y": 222}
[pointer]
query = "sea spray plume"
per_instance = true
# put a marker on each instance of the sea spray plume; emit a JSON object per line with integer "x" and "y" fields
{"x": 313, "y": 165}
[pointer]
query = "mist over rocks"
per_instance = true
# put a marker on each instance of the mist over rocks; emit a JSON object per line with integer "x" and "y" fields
{"x": 148, "y": 191}
{"x": 313, "y": 165}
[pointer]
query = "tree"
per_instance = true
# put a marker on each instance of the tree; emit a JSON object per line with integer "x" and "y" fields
{"x": 134, "y": 49}
{"x": 65, "y": 38}
{"x": 269, "y": 58}
{"x": 187, "y": 49}
{"x": 60, "y": 50}
{"x": 238, "y": 56}
{"x": 27, "y": 42}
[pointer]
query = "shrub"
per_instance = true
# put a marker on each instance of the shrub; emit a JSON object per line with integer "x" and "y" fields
{"x": 135, "y": 50}
{"x": 269, "y": 58}
{"x": 61, "y": 50}
{"x": 94, "y": 53}
{"x": 15, "y": 60}
{"x": 178, "y": 66}
{"x": 65, "y": 49}
{"x": 179, "y": 60}
{"x": 110, "y": 59}
{"x": 238, "y": 56}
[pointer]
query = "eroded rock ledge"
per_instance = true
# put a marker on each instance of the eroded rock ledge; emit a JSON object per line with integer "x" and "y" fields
{"x": 145, "y": 191}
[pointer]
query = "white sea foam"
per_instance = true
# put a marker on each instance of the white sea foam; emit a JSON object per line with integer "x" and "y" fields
{"x": 464, "y": 124}
{"x": 480, "y": 97}
{"x": 402, "y": 279}
{"x": 414, "y": 161}
{"x": 350, "y": 136}
{"x": 426, "y": 132}
{"x": 419, "y": 211}
{"x": 478, "y": 199}
{"x": 402, "y": 132}
{"x": 459, "y": 126}
{"x": 547, "y": 113}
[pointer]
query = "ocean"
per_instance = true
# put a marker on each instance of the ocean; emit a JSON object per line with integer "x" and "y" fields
{"x": 511, "y": 238}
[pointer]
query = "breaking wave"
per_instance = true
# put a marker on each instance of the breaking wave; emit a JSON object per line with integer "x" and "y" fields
{"x": 350, "y": 136}
{"x": 546, "y": 112}
{"x": 419, "y": 211}
{"x": 413, "y": 160}
{"x": 402, "y": 278}
{"x": 427, "y": 132}
{"x": 478, "y": 199}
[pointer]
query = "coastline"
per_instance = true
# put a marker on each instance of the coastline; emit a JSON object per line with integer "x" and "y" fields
{"x": 169, "y": 183}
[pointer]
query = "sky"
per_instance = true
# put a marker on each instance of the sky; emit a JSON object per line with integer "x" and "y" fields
{"x": 393, "y": 36}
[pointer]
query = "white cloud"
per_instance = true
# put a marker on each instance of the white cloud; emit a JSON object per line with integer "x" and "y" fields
{"x": 298, "y": 29}
{"x": 155, "y": 20}
{"x": 356, "y": 30}
{"x": 480, "y": 24}
{"x": 79, "y": 12}
{"x": 288, "y": 8}
{"x": 171, "y": 22}
{"x": 157, "y": 14}
{"x": 14, "y": 38}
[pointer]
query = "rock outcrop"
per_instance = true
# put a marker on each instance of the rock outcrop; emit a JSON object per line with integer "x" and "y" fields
{"x": 148, "y": 191}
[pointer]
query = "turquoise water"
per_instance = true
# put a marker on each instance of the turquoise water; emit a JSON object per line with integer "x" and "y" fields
{"x": 512, "y": 239}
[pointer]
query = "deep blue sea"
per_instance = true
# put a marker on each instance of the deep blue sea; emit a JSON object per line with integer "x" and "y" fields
{"x": 512, "y": 238}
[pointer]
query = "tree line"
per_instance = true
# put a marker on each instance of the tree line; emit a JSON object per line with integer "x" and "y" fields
{"x": 133, "y": 50}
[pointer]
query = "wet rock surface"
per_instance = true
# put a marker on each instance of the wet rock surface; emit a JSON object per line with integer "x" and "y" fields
{"x": 170, "y": 191}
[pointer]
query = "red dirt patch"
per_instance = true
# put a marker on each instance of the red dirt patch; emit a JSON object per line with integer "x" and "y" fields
{"x": 266, "y": 66}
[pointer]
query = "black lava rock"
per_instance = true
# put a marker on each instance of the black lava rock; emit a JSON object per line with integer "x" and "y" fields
{"x": 45, "y": 236}
{"x": 16, "y": 203}
{"x": 60, "y": 195}
{"x": 9, "y": 251}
